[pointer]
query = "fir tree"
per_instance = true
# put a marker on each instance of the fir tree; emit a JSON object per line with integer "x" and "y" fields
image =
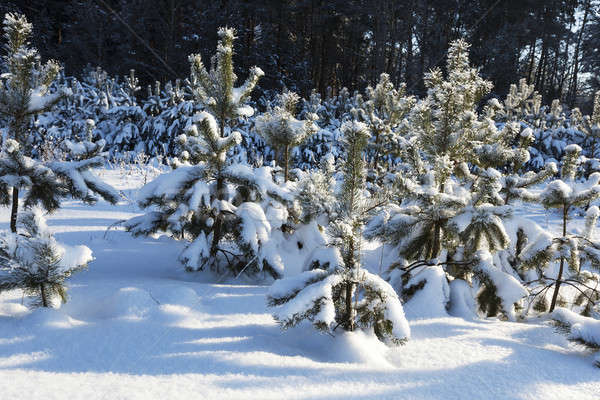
{"x": 23, "y": 94}
{"x": 215, "y": 89}
{"x": 282, "y": 131}
{"x": 570, "y": 250}
{"x": 205, "y": 189}
{"x": 339, "y": 292}
{"x": 34, "y": 261}
{"x": 208, "y": 199}
{"x": 383, "y": 110}
{"x": 446, "y": 120}
{"x": 419, "y": 227}
{"x": 24, "y": 90}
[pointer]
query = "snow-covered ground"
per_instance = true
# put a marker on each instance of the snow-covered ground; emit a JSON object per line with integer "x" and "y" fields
{"x": 138, "y": 327}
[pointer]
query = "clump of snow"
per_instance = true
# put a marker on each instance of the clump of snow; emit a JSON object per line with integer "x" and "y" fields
{"x": 432, "y": 299}
{"x": 508, "y": 288}
{"x": 462, "y": 300}
{"x": 127, "y": 303}
{"x": 582, "y": 328}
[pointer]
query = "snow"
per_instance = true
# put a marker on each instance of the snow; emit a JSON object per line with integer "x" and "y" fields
{"x": 582, "y": 328}
{"x": 508, "y": 288}
{"x": 138, "y": 327}
{"x": 431, "y": 301}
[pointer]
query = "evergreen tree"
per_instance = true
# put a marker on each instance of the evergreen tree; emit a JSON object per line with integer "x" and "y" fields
{"x": 23, "y": 94}
{"x": 34, "y": 261}
{"x": 282, "y": 131}
{"x": 208, "y": 199}
{"x": 445, "y": 122}
{"x": 383, "y": 110}
{"x": 23, "y": 90}
{"x": 570, "y": 250}
{"x": 339, "y": 292}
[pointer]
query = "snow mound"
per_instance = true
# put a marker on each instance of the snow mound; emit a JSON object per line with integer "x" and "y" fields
{"x": 176, "y": 295}
{"x": 357, "y": 347}
{"x": 12, "y": 309}
{"x": 51, "y": 318}
{"x": 582, "y": 328}
{"x": 462, "y": 303}
{"x": 431, "y": 300}
{"x": 126, "y": 303}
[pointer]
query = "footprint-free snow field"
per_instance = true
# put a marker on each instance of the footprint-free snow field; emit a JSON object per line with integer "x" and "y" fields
{"x": 138, "y": 327}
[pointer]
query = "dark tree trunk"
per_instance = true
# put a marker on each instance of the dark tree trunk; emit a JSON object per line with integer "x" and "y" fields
{"x": 286, "y": 162}
{"x": 14, "y": 211}
{"x": 218, "y": 223}
{"x": 572, "y": 93}
{"x": 43, "y": 295}
{"x": 562, "y": 263}
{"x": 349, "y": 325}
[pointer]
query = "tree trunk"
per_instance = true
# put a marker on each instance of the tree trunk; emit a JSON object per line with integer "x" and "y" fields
{"x": 435, "y": 249}
{"x": 14, "y": 210}
{"x": 562, "y": 263}
{"x": 218, "y": 223}
{"x": 349, "y": 325}
{"x": 286, "y": 161}
{"x": 43, "y": 295}
{"x": 376, "y": 155}
{"x": 572, "y": 92}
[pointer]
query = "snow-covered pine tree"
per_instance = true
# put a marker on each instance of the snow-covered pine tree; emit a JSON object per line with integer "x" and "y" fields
{"x": 590, "y": 126}
{"x": 34, "y": 261}
{"x": 570, "y": 250}
{"x": 282, "y": 130}
{"x": 419, "y": 226}
{"x": 214, "y": 203}
{"x": 445, "y": 122}
{"x": 339, "y": 291}
{"x": 448, "y": 218}
{"x": 383, "y": 110}
{"x": 214, "y": 88}
{"x": 206, "y": 198}
{"x": 23, "y": 93}
{"x": 522, "y": 103}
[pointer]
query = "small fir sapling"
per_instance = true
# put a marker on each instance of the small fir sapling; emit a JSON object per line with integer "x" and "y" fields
{"x": 383, "y": 109}
{"x": 188, "y": 202}
{"x": 418, "y": 227}
{"x": 215, "y": 89}
{"x": 282, "y": 131}
{"x": 208, "y": 199}
{"x": 445, "y": 122}
{"x": 589, "y": 125}
{"x": 339, "y": 292}
{"x": 23, "y": 90}
{"x": 570, "y": 250}
{"x": 24, "y": 93}
{"x": 36, "y": 263}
